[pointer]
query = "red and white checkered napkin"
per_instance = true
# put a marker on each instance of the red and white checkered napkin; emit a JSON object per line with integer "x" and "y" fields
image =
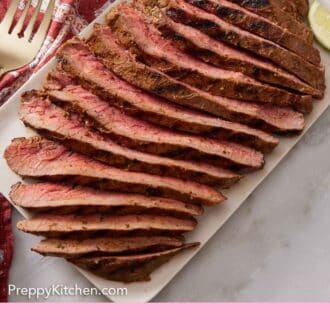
{"x": 6, "y": 246}
{"x": 70, "y": 17}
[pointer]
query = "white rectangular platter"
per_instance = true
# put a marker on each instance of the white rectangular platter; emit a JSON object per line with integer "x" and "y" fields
{"x": 210, "y": 222}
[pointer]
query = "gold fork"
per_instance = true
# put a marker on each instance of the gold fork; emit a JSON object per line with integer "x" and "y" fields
{"x": 18, "y": 47}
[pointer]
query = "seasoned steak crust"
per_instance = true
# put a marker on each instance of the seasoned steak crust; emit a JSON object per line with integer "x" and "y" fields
{"x": 297, "y": 8}
{"x": 143, "y": 40}
{"x": 255, "y": 24}
{"x": 215, "y": 52}
{"x": 271, "y": 10}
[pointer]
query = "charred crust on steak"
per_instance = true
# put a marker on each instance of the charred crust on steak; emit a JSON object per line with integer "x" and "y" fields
{"x": 256, "y": 3}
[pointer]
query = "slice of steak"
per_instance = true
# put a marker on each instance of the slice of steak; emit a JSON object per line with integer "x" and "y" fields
{"x": 77, "y": 61}
{"x": 53, "y": 122}
{"x": 70, "y": 198}
{"x": 217, "y": 53}
{"x": 141, "y": 135}
{"x": 255, "y": 24}
{"x": 39, "y": 158}
{"x": 105, "y": 246}
{"x": 147, "y": 44}
{"x": 159, "y": 111}
{"x": 274, "y": 13}
{"x": 116, "y": 267}
{"x": 182, "y": 12}
{"x": 57, "y": 225}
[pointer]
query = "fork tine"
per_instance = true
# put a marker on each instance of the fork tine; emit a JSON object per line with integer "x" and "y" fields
{"x": 9, "y": 16}
{"x": 20, "y": 22}
{"x": 29, "y": 29}
{"x": 42, "y": 30}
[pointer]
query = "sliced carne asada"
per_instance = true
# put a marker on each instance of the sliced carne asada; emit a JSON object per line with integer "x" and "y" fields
{"x": 39, "y": 158}
{"x": 149, "y": 47}
{"x": 55, "y": 123}
{"x": 273, "y": 12}
{"x": 182, "y": 12}
{"x": 77, "y": 61}
{"x": 69, "y": 198}
{"x": 217, "y": 53}
{"x": 57, "y": 225}
{"x": 107, "y": 266}
{"x": 161, "y": 112}
{"x": 74, "y": 248}
{"x": 255, "y": 24}
{"x": 143, "y": 136}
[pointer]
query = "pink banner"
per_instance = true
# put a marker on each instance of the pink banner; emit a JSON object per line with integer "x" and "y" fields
{"x": 168, "y": 316}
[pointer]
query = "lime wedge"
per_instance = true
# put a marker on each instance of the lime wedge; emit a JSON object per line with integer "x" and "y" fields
{"x": 319, "y": 19}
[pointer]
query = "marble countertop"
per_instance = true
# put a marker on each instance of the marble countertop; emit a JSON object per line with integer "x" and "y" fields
{"x": 276, "y": 247}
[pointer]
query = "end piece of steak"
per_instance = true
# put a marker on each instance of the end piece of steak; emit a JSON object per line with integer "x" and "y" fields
{"x": 129, "y": 268}
{"x": 57, "y": 225}
{"x": 182, "y": 12}
{"x": 159, "y": 111}
{"x": 274, "y": 118}
{"x": 143, "y": 40}
{"x": 37, "y": 158}
{"x": 272, "y": 11}
{"x": 255, "y": 24}
{"x": 55, "y": 123}
{"x": 105, "y": 246}
{"x": 67, "y": 198}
